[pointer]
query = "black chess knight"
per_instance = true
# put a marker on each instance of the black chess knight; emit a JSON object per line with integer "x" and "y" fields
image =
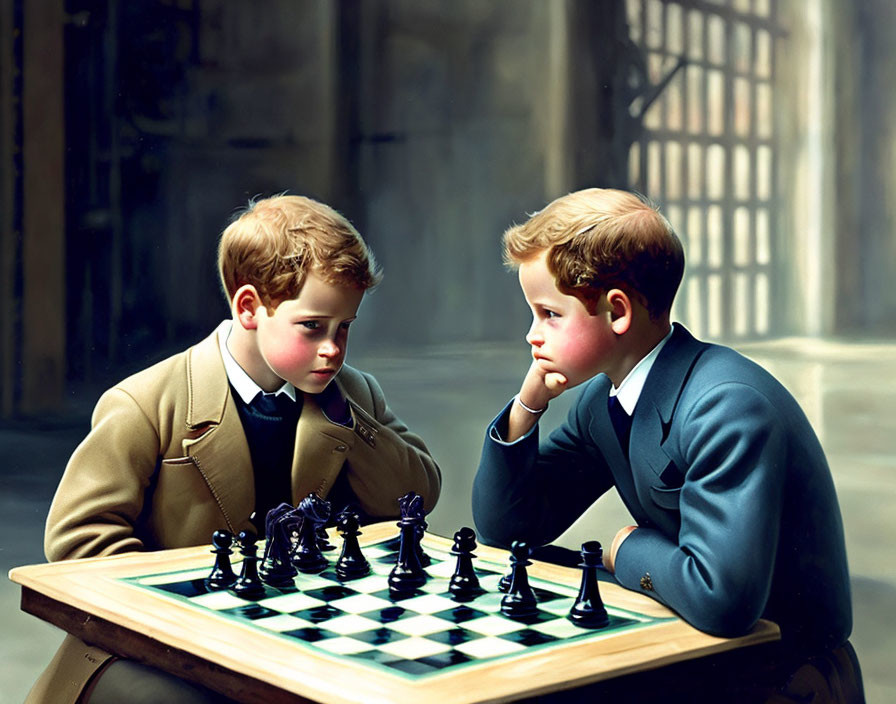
{"x": 276, "y": 567}
{"x": 307, "y": 555}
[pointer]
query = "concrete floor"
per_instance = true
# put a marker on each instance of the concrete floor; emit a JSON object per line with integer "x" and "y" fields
{"x": 449, "y": 395}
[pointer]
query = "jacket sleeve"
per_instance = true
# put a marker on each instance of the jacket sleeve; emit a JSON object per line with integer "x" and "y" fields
{"x": 101, "y": 493}
{"x": 533, "y": 492}
{"x": 387, "y": 460}
{"x": 717, "y": 574}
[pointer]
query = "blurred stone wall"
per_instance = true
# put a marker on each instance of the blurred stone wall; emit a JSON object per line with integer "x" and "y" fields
{"x": 421, "y": 121}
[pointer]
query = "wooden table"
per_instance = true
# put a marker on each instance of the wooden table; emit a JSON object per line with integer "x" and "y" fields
{"x": 88, "y": 599}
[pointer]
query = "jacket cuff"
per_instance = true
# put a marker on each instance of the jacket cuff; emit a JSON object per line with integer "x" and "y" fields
{"x": 497, "y": 429}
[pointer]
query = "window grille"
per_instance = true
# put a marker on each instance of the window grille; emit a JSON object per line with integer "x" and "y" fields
{"x": 707, "y": 154}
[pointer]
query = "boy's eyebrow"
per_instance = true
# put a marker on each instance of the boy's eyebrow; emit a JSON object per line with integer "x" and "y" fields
{"x": 321, "y": 316}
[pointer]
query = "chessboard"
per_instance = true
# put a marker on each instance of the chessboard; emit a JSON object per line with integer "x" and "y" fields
{"x": 420, "y": 635}
{"x": 324, "y": 639}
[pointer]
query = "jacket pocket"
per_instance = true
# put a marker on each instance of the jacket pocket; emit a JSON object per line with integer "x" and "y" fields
{"x": 178, "y": 462}
{"x": 182, "y": 504}
{"x": 665, "y": 497}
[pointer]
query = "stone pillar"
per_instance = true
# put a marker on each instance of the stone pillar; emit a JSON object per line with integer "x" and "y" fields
{"x": 43, "y": 221}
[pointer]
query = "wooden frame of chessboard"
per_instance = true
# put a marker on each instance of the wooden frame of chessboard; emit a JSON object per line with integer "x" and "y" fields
{"x": 88, "y": 599}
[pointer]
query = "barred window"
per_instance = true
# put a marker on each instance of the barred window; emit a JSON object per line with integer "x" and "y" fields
{"x": 707, "y": 154}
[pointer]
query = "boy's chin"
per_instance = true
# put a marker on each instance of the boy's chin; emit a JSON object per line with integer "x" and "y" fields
{"x": 313, "y": 386}
{"x": 574, "y": 381}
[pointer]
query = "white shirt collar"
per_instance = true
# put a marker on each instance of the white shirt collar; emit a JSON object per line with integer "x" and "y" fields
{"x": 629, "y": 390}
{"x": 244, "y": 385}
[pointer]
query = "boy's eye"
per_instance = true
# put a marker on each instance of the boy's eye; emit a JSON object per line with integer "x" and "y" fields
{"x": 310, "y": 324}
{"x": 345, "y": 326}
{"x": 549, "y": 313}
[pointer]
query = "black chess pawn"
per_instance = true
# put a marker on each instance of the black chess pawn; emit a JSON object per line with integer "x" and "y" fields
{"x": 408, "y": 575}
{"x": 307, "y": 555}
{"x": 351, "y": 563}
{"x": 222, "y": 575}
{"x": 276, "y": 567}
{"x": 588, "y": 610}
{"x": 248, "y": 585}
{"x": 520, "y": 601}
{"x": 464, "y": 584}
{"x": 504, "y": 583}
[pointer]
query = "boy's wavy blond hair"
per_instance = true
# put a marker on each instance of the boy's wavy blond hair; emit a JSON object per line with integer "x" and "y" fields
{"x": 275, "y": 242}
{"x": 599, "y": 239}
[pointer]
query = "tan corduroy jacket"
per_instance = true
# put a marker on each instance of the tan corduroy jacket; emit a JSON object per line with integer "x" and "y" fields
{"x": 166, "y": 463}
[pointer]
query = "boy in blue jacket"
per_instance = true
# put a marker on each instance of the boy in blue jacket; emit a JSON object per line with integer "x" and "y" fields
{"x": 735, "y": 513}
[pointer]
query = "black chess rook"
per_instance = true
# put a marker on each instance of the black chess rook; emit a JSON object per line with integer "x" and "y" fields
{"x": 588, "y": 609}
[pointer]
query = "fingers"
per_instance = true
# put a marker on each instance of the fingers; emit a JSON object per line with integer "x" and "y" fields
{"x": 555, "y": 383}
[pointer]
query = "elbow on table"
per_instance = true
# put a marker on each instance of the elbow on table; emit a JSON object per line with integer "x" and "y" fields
{"x": 720, "y": 615}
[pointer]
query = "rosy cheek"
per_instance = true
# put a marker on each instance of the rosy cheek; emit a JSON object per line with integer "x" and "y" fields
{"x": 578, "y": 349}
{"x": 284, "y": 356}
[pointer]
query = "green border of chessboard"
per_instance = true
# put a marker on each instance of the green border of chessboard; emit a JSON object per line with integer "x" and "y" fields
{"x": 439, "y": 571}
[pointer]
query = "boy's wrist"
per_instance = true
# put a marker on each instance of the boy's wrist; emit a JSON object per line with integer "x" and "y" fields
{"x": 531, "y": 409}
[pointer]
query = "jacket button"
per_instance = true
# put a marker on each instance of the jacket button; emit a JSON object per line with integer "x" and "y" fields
{"x": 647, "y": 582}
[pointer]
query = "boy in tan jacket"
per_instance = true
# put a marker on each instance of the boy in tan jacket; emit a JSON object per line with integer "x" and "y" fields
{"x": 260, "y": 412}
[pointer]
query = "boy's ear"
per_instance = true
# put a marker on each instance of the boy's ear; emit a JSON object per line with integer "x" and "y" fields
{"x": 246, "y": 304}
{"x": 621, "y": 311}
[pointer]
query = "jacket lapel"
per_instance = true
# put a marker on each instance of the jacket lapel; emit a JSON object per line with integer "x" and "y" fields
{"x": 605, "y": 436}
{"x": 214, "y": 437}
{"x": 653, "y": 414}
{"x": 321, "y": 449}
{"x": 217, "y": 443}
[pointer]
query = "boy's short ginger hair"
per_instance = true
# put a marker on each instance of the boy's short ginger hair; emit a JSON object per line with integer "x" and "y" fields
{"x": 275, "y": 242}
{"x": 599, "y": 239}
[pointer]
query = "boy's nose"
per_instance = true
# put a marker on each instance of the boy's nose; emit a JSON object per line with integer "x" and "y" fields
{"x": 534, "y": 338}
{"x": 328, "y": 349}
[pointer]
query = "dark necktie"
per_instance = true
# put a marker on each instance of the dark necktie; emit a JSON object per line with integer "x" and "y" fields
{"x": 622, "y": 422}
{"x": 273, "y": 405}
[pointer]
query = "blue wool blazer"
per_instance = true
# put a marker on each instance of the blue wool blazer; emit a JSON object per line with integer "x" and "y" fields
{"x": 738, "y": 518}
